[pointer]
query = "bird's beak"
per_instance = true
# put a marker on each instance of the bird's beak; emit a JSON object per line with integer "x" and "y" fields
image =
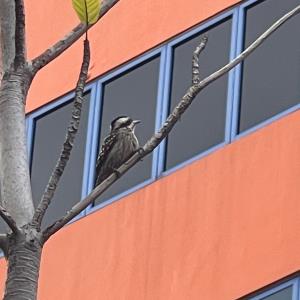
{"x": 135, "y": 122}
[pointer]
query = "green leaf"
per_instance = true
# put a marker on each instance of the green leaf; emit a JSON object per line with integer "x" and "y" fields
{"x": 87, "y": 10}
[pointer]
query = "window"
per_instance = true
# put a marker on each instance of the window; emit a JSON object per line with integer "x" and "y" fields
{"x": 49, "y": 134}
{"x": 288, "y": 290}
{"x": 268, "y": 86}
{"x": 285, "y": 294}
{"x": 271, "y": 75}
{"x": 133, "y": 93}
{"x": 203, "y": 125}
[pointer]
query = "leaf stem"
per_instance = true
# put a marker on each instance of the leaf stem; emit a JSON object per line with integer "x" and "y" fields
{"x": 87, "y": 21}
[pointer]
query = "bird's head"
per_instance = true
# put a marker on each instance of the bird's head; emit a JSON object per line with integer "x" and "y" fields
{"x": 123, "y": 122}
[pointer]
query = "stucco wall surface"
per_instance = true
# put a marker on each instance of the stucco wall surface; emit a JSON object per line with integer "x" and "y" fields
{"x": 129, "y": 29}
{"x": 217, "y": 229}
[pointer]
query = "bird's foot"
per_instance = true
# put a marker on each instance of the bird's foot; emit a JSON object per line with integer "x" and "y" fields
{"x": 141, "y": 151}
{"x": 117, "y": 172}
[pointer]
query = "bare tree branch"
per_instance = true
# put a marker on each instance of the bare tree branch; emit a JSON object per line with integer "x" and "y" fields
{"x": 69, "y": 140}
{"x": 8, "y": 219}
{"x": 172, "y": 119}
{"x": 58, "y": 48}
{"x": 20, "y": 44}
{"x": 196, "y": 54}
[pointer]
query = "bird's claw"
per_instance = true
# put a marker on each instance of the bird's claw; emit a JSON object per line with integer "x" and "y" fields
{"x": 117, "y": 172}
{"x": 141, "y": 151}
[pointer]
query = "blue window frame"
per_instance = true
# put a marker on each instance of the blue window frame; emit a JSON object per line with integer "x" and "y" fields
{"x": 286, "y": 291}
{"x": 228, "y": 17}
{"x": 242, "y": 77}
{"x": 37, "y": 126}
{"x": 165, "y": 55}
{"x": 153, "y": 57}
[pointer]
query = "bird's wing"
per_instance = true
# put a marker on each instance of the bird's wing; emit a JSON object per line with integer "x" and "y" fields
{"x": 107, "y": 145}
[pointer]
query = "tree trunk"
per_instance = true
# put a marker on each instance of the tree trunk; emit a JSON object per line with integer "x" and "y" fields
{"x": 15, "y": 185}
{"x": 24, "y": 244}
{"x": 24, "y": 256}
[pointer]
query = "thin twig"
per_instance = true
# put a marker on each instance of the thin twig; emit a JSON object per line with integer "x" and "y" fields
{"x": 172, "y": 119}
{"x": 20, "y": 56}
{"x": 59, "y": 47}
{"x": 195, "y": 62}
{"x": 8, "y": 219}
{"x": 69, "y": 140}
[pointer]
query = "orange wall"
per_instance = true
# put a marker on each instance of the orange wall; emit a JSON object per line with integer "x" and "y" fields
{"x": 218, "y": 229}
{"x": 129, "y": 29}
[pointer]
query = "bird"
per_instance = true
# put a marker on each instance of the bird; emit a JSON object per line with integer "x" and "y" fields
{"x": 117, "y": 147}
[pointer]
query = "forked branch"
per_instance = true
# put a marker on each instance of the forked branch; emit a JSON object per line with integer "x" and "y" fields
{"x": 8, "y": 219}
{"x": 69, "y": 140}
{"x": 172, "y": 119}
{"x": 59, "y": 47}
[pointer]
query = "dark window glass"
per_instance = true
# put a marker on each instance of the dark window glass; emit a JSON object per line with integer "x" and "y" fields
{"x": 134, "y": 94}
{"x": 3, "y": 229}
{"x": 271, "y": 75}
{"x": 285, "y": 294}
{"x": 49, "y": 136}
{"x": 203, "y": 124}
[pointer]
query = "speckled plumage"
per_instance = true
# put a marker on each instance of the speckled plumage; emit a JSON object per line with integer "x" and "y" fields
{"x": 117, "y": 147}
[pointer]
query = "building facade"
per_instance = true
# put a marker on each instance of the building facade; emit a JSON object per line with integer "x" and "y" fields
{"x": 213, "y": 212}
